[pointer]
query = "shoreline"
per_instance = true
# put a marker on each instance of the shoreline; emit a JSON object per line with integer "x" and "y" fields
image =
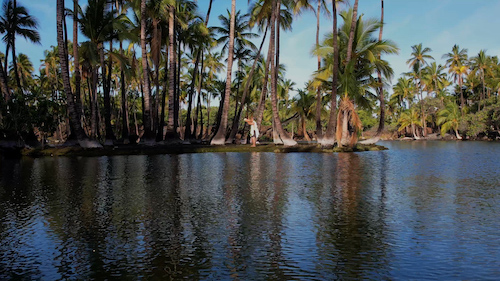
{"x": 141, "y": 149}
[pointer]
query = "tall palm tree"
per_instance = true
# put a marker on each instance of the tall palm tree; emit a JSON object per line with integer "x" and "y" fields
{"x": 321, "y": 5}
{"x": 15, "y": 20}
{"x": 76, "y": 58}
{"x": 456, "y": 61}
{"x": 419, "y": 58}
{"x": 148, "y": 130}
{"x": 275, "y": 49}
{"x": 204, "y": 35}
{"x": 75, "y": 125}
{"x": 220, "y": 136}
{"x": 481, "y": 63}
{"x": 329, "y": 139}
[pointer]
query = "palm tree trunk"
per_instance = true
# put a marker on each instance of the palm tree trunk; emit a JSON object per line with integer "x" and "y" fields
{"x": 159, "y": 136}
{"x": 148, "y": 133}
{"x": 319, "y": 105}
{"x": 351, "y": 32}
{"x": 188, "y": 135}
{"x": 76, "y": 56}
{"x": 287, "y": 141}
{"x": 237, "y": 117}
{"x": 75, "y": 124}
{"x": 171, "y": 133}
{"x": 198, "y": 103}
{"x": 329, "y": 139}
{"x": 107, "y": 103}
{"x": 381, "y": 88}
{"x": 220, "y": 136}
{"x": 462, "y": 101}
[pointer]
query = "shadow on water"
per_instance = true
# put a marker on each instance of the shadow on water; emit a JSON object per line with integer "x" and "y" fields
{"x": 419, "y": 210}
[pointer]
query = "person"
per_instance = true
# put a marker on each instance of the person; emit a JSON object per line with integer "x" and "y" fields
{"x": 254, "y": 130}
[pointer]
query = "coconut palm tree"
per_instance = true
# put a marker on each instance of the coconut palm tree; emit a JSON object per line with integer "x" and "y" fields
{"x": 456, "y": 61}
{"x": 220, "y": 136}
{"x": 356, "y": 76}
{"x": 75, "y": 125}
{"x": 419, "y": 59}
{"x": 410, "y": 118}
{"x": 321, "y": 6}
{"x": 481, "y": 64}
{"x": 449, "y": 119}
{"x": 329, "y": 139}
{"x": 16, "y": 20}
{"x": 24, "y": 69}
{"x": 303, "y": 104}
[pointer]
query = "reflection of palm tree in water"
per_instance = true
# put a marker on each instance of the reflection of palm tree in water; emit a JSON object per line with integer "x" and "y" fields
{"x": 353, "y": 226}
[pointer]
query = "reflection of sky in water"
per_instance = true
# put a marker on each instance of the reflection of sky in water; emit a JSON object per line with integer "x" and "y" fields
{"x": 424, "y": 210}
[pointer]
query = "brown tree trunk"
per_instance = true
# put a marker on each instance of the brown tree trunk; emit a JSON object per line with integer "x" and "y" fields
{"x": 76, "y": 56}
{"x": 329, "y": 139}
{"x": 285, "y": 138}
{"x": 319, "y": 105}
{"x": 220, "y": 136}
{"x": 148, "y": 133}
{"x": 75, "y": 124}
{"x": 171, "y": 132}
{"x": 351, "y": 32}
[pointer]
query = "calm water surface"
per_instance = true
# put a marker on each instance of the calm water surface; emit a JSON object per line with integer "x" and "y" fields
{"x": 421, "y": 210}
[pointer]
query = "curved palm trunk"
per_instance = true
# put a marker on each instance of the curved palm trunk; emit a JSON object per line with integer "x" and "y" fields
{"x": 171, "y": 132}
{"x": 285, "y": 138}
{"x": 319, "y": 105}
{"x": 220, "y": 136}
{"x": 75, "y": 124}
{"x": 329, "y": 139}
{"x": 237, "y": 117}
{"x": 148, "y": 133}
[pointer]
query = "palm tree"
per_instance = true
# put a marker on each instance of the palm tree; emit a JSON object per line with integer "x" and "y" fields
{"x": 303, "y": 104}
{"x": 275, "y": 49}
{"x": 220, "y": 136}
{"x": 16, "y": 20}
{"x": 449, "y": 119}
{"x": 357, "y": 75}
{"x": 201, "y": 33}
{"x": 419, "y": 57}
{"x": 411, "y": 119}
{"x": 148, "y": 130}
{"x": 75, "y": 125}
{"x": 481, "y": 63}
{"x": 329, "y": 139}
{"x": 24, "y": 69}
{"x": 403, "y": 90}
{"x": 456, "y": 62}
{"x": 321, "y": 5}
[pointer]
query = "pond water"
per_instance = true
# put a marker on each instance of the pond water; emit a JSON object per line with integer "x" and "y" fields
{"x": 421, "y": 210}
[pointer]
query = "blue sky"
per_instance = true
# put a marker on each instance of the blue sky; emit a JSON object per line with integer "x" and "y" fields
{"x": 438, "y": 24}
